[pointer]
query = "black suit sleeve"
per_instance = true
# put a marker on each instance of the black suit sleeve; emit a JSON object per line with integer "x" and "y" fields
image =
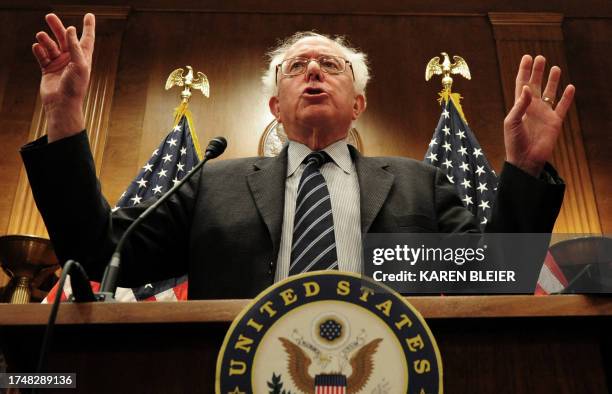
{"x": 452, "y": 216}
{"x": 523, "y": 203}
{"x": 526, "y": 204}
{"x": 82, "y": 227}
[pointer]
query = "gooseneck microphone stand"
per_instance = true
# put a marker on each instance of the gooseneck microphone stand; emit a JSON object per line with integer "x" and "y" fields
{"x": 108, "y": 286}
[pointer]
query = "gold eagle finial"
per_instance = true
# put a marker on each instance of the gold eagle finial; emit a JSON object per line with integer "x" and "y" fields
{"x": 189, "y": 82}
{"x": 446, "y": 68}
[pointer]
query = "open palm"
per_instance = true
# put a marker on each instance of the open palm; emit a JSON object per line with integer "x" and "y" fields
{"x": 532, "y": 125}
{"x": 65, "y": 65}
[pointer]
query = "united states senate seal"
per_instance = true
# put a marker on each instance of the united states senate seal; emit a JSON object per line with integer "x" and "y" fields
{"x": 329, "y": 332}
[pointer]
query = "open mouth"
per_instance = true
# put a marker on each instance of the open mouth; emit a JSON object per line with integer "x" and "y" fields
{"x": 311, "y": 91}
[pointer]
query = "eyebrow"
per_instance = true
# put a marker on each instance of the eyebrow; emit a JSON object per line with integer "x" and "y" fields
{"x": 319, "y": 55}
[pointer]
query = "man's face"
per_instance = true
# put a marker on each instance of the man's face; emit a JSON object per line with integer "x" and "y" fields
{"x": 316, "y": 108}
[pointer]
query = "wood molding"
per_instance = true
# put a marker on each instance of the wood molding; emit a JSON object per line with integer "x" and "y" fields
{"x": 595, "y": 8}
{"x": 100, "y": 11}
{"x": 225, "y": 311}
{"x": 25, "y": 218}
{"x": 520, "y": 33}
{"x": 525, "y": 18}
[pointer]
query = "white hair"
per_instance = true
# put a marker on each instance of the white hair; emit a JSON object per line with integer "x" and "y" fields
{"x": 358, "y": 60}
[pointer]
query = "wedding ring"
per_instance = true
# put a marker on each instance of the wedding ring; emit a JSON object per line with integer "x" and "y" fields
{"x": 548, "y": 101}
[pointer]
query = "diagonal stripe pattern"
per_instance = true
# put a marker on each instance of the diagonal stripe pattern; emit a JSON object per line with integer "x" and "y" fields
{"x": 314, "y": 241}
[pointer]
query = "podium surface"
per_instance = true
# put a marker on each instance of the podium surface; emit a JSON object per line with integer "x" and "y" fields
{"x": 489, "y": 344}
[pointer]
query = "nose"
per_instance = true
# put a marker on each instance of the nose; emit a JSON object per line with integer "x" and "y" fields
{"x": 313, "y": 71}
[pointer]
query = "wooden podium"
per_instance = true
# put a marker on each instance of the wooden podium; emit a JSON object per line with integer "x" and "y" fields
{"x": 489, "y": 344}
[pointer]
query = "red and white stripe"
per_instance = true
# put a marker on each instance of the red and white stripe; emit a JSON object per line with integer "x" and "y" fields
{"x": 330, "y": 390}
{"x": 123, "y": 294}
{"x": 551, "y": 278}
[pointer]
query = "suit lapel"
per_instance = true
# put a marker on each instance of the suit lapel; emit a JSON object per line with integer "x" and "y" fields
{"x": 267, "y": 184}
{"x": 374, "y": 186}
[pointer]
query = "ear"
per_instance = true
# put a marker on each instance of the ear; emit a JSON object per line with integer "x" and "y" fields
{"x": 359, "y": 106}
{"x": 274, "y": 105}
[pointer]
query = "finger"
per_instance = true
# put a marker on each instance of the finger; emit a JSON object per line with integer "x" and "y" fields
{"x": 566, "y": 101}
{"x": 522, "y": 77}
{"x": 535, "y": 82}
{"x": 89, "y": 35}
{"x": 553, "y": 82}
{"x": 41, "y": 55}
{"x": 49, "y": 45}
{"x": 520, "y": 106}
{"x": 58, "y": 29}
{"x": 76, "y": 53}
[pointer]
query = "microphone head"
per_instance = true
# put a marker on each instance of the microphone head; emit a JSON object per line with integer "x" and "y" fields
{"x": 215, "y": 147}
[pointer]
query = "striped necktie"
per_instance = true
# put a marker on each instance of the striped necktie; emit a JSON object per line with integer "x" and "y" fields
{"x": 314, "y": 241}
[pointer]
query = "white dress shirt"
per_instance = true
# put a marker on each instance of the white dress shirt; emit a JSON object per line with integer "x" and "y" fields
{"x": 343, "y": 184}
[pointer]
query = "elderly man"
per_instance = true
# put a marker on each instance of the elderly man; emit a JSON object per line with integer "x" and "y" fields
{"x": 242, "y": 224}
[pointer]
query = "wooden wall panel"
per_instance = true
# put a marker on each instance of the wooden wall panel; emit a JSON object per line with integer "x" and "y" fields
{"x": 517, "y": 34}
{"x": 402, "y": 109}
{"x": 587, "y": 44}
{"x": 120, "y": 163}
{"x": 7, "y": 47}
{"x": 18, "y": 93}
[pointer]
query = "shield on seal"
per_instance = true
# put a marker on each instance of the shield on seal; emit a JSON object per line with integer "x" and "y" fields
{"x": 330, "y": 384}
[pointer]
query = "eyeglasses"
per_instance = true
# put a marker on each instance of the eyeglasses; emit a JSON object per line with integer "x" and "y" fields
{"x": 298, "y": 65}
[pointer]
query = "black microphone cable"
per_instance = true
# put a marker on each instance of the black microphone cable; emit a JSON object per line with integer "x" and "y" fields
{"x": 70, "y": 265}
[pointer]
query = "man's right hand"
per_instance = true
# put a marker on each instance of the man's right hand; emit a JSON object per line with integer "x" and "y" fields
{"x": 65, "y": 65}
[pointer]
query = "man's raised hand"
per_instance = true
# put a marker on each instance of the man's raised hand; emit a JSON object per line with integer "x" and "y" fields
{"x": 533, "y": 124}
{"x": 65, "y": 64}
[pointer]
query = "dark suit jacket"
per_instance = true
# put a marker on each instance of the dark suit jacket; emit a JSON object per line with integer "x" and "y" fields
{"x": 223, "y": 228}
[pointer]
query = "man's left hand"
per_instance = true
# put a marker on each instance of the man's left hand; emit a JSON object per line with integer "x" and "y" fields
{"x": 533, "y": 124}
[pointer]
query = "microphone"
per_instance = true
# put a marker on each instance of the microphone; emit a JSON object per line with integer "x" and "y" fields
{"x": 108, "y": 287}
{"x": 215, "y": 147}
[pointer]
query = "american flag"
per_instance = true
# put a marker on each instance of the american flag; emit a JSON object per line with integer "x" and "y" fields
{"x": 175, "y": 156}
{"x": 174, "y": 289}
{"x": 552, "y": 279}
{"x": 455, "y": 150}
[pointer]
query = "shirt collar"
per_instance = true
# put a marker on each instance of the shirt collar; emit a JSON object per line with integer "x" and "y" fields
{"x": 338, "y": 151}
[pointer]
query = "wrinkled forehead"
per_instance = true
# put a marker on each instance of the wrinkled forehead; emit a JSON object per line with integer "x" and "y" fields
{"x": 313, "y": 46}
